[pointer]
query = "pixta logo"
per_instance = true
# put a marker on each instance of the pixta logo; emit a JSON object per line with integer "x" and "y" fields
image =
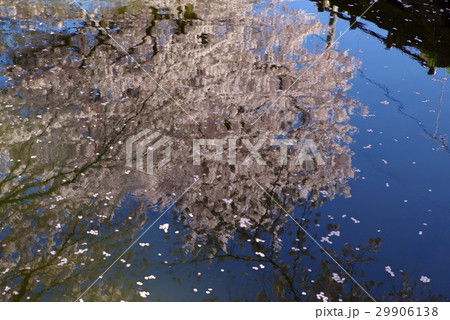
{"x": 146, "y": 144}
{"x": 307, "y": 151}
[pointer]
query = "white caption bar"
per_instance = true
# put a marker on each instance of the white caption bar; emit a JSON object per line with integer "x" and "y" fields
{"x": 226, "y": 311}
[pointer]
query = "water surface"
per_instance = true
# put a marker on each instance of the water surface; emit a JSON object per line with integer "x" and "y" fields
{"x": 79, "y": 80}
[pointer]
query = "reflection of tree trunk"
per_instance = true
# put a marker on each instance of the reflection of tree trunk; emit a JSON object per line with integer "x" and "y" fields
{"x": 353, "y": 20}
{"x": 322, "y": 5}
{"x": 432, "y": 71}
{"x": 389, "y": 41}
{"x": 332, "y": 24}
{"x": 440, "y": 110}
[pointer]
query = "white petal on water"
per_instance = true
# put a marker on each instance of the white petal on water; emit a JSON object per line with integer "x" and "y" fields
{"x": 245, "y": 223}
{"x": 144, "y": 294}
{"x": 80, "y": 251}
{"x": 228, "y": 201}
{"x": 355, "y": 220}
{"x": 164, "y": 227}
{"x": 337, "y": 278}
{"x": 336, "y": 233}
{"x": 63, "y": 262}
{"x": 144, "y": 244}
{"x": 321, "y": 296}
{"x": 389, "y": 270}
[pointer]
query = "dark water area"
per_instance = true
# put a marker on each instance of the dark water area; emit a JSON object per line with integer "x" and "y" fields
{"x": 420, "y": 29}
{"x": 333, "y": 122}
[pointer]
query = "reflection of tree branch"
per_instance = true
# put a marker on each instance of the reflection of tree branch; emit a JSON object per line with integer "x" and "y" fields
{"x": 440, "y": 109}
{"x": 16, "y": 164}
{"x": 401, "y": 109}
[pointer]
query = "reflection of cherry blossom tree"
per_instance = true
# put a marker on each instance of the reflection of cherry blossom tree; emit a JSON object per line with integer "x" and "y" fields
{"x": 72, "y": 104}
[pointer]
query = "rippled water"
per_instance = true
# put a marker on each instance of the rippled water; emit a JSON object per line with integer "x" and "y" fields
{"x": 87, "y": 86}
